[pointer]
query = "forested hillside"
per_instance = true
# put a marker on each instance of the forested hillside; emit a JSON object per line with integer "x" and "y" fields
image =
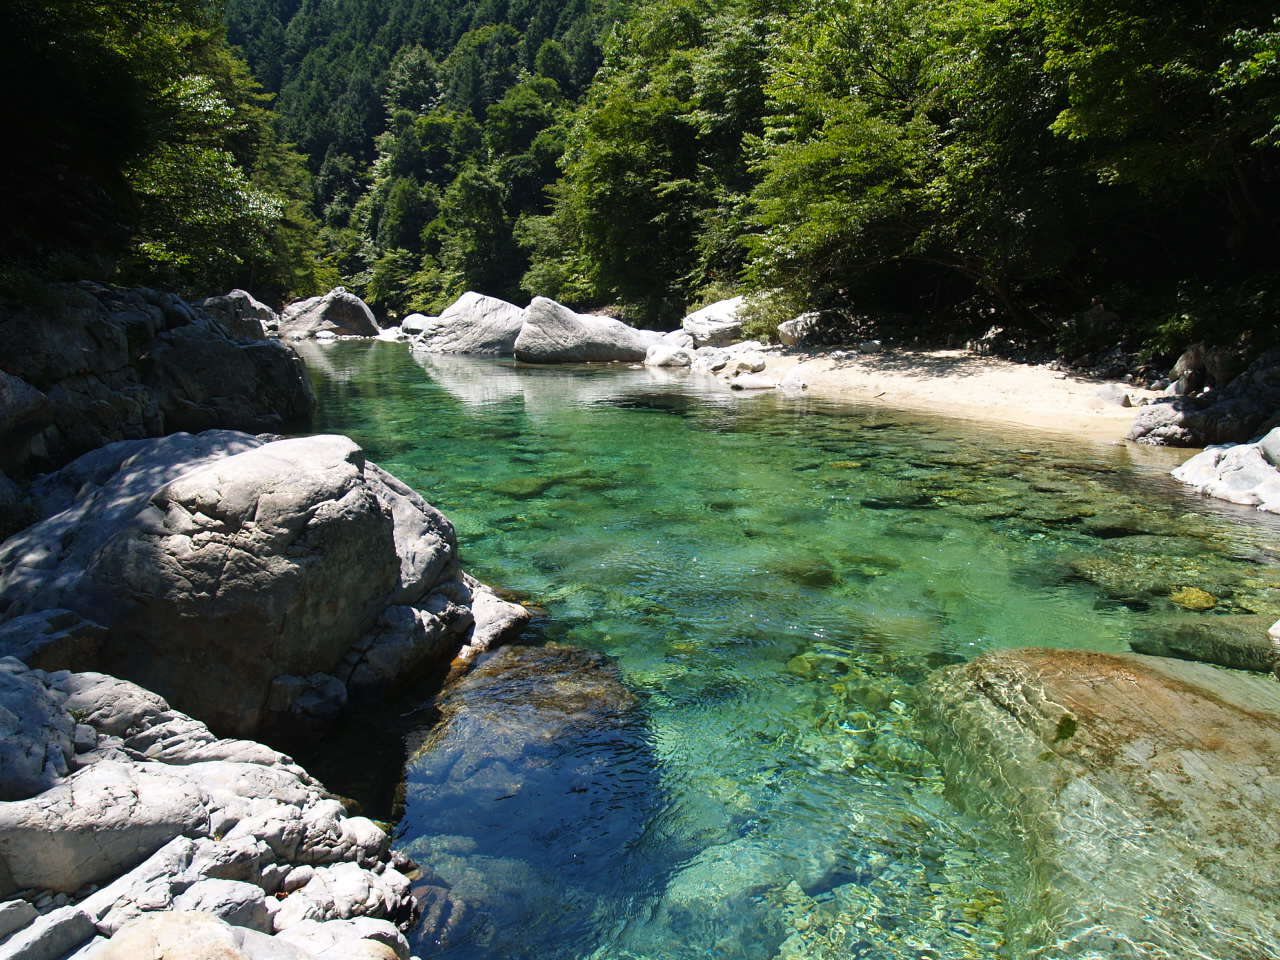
{"x": 1080, "y": 174}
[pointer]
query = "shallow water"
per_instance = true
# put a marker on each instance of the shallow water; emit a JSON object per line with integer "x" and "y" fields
{"x": 773, "y": 576}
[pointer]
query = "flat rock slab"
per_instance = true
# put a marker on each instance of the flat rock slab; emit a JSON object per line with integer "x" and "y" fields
{"x": 1147, "y": 791}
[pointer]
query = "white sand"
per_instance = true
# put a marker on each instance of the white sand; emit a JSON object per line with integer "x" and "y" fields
{"x": 957, "y": 383}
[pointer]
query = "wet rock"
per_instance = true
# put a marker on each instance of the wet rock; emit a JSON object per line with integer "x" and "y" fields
{"x": 1141, "y": 832}
{"x": 1247, "y": 473}
{"x": 472, "y": 324}
{"x": 1238, "y": 641}
{"x": 338, "y": 312}
{"x": 555, "y": 334}
{"x": 1193, "y": 598}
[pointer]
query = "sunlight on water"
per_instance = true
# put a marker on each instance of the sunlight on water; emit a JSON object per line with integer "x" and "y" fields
{"x": 772, "y": 577}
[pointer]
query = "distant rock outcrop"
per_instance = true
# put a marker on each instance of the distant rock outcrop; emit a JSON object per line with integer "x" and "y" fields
{"x": 473, "y": 324}
{"x": 555, "y": 334}
{"x": 254, "y": 584}
{"x": 337, "y": 312}
{"x": 108, "y": 364}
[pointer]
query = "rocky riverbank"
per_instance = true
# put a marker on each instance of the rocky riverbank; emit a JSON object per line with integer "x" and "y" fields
{"x": 256, "y": 584}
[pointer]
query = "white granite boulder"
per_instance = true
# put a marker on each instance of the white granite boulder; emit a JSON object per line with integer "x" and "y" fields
{"x": 553, "y": 333}
{"x": 716, "y": 325}
{"x": 472, "y": 324}
{"x": 338, "y": 312}
{"x": 1246, "y": 473}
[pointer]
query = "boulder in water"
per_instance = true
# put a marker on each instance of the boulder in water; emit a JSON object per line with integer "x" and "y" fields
{"x": 553, "y": 333}
{"x": 473, "y": 324}
{"x": 339, "y": 312}
{"x": 1246, "y": 473}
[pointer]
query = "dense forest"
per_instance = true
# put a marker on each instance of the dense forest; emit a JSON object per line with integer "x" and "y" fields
{"x": 1081, "y": 174}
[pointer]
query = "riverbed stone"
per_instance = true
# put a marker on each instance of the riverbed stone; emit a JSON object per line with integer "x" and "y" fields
{"x": 553, "y": 333}
{"x": 338, "y": 312}
{"x": 193, "y": 935}
{"x": 1238, "y": 641}
{"x": 717, "y": 324}
{"x": 473, "y": 324}
{"x": 1145, "y": 789}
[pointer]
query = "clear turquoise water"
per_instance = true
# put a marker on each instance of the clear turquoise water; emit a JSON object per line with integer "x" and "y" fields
{"x": 774, "y": 576}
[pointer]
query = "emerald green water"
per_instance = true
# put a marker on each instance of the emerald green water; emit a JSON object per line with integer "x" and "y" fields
{"x": 774, "y": 576}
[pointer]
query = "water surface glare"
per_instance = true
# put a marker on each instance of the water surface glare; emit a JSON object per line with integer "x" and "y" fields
{"x": 772, "y": 576}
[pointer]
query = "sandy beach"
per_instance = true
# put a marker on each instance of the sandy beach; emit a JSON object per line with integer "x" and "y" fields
{"x": 956, "y": 383}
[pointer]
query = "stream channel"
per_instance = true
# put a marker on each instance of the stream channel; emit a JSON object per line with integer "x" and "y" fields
{"x": 753, "y": 587}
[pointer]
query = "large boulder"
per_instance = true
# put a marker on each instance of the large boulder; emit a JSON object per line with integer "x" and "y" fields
{"x": 1246, "y": 473}
{"x": 35, "y": 733}
{"x": 241, "y": 315}
{"x": 225, "y": 568}
{"x": 108, "y": 364}
{"x": 1245, "y": 408}
{"x": 716, "y": 325}
{"x": 1144, "y": 789}
{"x": 338, "y": 312}
{"x": 473, "y": 324}
{"x": 555, "y": 334}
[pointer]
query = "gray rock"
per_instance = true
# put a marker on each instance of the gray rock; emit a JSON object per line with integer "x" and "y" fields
{"x": 52, "y": 640}
{"x": 97, "y": 823}
{"x": 240, "y": 904}
{"x": 751, "y": 381}
{"x": 1238, "y": 641}
{"x": 679, "y": 338}
{"x": 337, "y": 312}
{"x": 14, "y": 915}
{"x": 1241, "y": 474}
{"x": 339, "y": 939}
{"x": 1142, "y": 833}
{"x": 472, "y": 324}
{"x": 716, "y": 325}
{"x": 240, "y": 315}
{"x": 15, "y": 512}
{"x": 415, "y": 323}
{"x": 668, "y": 355}
{"x": 555, "y": 334}
{"x": 1245, "y": 408}
{"x": 35, "y": 733}
{"x": 114, "y": 364}
{"x": 792, "y": 333}
{"x": 50, "y": 937}
{"x": 190, "y": 935}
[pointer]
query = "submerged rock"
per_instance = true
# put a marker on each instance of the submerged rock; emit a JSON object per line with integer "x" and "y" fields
{"x": 535, "y": 779}
{"x": 222, "y": 567}
{"x": 473, "y": 324}
{"x": 555, "y": 334}
{"x": 1145, "y": 789}
{"x": 338, "y": 312}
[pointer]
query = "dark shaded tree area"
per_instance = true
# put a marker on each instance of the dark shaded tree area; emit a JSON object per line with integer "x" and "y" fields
{"x": 148, "y": 154}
